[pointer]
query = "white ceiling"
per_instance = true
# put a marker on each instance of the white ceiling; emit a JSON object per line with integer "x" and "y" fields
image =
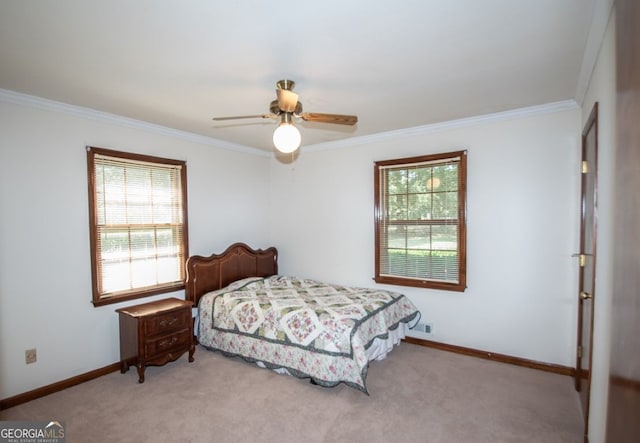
{"x": 395, "y": 64}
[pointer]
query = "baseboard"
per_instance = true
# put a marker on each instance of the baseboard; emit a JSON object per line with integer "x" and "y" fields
{"x": 549, "y": 367}
{"x": 58, "y": 386}
{"x": 625, "y": 383}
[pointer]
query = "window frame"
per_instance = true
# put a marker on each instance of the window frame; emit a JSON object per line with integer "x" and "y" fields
{"x": 380, "y": 193}
{"x": 99, "y": 298}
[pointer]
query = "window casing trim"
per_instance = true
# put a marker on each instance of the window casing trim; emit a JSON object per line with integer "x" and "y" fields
{"x": 98, "y": 298}
{"x": 385, "y": 278}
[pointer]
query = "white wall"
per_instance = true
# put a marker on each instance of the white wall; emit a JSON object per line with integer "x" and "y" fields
{"x": 602, "y": 89}
{"x": 523, "y": 218}
{"x": 523, "y": 187}
{"x": 45, "y": 278}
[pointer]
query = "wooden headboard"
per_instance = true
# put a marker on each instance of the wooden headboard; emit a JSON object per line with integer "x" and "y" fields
{"x": 238, "y": 261}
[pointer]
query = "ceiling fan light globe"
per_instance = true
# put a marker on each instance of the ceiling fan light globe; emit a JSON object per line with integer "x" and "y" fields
{"x": 286, "y": 138}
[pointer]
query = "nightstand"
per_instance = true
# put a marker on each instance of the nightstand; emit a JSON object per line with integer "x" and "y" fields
{"x": 155, "y": 333}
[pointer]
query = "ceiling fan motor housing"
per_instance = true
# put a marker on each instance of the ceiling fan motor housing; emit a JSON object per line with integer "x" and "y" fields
{"x": 274, "y": 108}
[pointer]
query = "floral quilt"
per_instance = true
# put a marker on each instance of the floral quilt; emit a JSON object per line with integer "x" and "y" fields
{"x": 311, "y": 329}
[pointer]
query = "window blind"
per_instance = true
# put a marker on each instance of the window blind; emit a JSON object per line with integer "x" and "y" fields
{"x": 139, "y": 224}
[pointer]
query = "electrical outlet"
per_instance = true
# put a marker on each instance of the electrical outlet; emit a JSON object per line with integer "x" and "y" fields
{"x": 30, "y": 356}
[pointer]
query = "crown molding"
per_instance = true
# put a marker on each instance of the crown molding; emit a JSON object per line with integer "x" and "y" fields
{"x": 549, "y": 108}
{"x": 18, "y": 98}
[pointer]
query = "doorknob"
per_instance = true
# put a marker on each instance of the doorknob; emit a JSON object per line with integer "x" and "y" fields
{"x": 585, "y": 295}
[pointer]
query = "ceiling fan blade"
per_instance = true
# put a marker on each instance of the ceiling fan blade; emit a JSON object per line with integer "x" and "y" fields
{"x": 338, "y": 119}
{"x": 244, "y": 116}
{"x": 287, "y": 100}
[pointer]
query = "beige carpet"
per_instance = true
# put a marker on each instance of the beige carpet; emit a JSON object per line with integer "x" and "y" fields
{"x": 416, "y": 395}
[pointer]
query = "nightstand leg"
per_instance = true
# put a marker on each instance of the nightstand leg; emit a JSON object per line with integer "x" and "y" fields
{"x": 141, "y": 369}
{"x": 124, "y": 366}
{"x": 192, "y": 350}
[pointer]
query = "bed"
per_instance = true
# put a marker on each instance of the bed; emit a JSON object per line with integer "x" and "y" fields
{"x": 302, "y": 327}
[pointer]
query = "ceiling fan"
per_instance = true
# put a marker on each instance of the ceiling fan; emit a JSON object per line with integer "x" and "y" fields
{"x": 286, "y": 137}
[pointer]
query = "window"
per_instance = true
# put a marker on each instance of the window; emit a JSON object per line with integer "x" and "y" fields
{"x": 420, "y": 227}
{"x": 137, "y": 223}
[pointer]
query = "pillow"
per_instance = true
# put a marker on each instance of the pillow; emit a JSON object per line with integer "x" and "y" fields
{"x": 240, "y": 283}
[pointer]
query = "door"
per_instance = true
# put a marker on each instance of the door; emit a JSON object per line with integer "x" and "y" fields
{"x": 587, "y": 260}
{"x": 623, "y": 412}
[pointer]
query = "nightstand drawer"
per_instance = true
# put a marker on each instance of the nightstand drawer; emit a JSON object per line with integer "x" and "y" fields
{"x": 166, "y": 343}
{"x": 171, "y": 321}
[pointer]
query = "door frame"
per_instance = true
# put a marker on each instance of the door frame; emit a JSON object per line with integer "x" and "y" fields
{"x": 590, "y": 129}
